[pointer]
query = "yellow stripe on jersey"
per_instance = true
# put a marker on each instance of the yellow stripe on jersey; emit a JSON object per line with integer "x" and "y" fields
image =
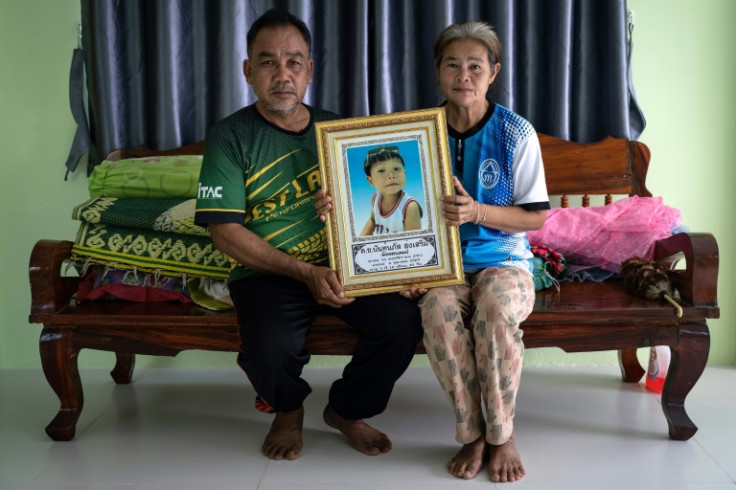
{"x": 266, "y": 184}
{"x": 282, "y": 230}
{"x": 268, "y": 167}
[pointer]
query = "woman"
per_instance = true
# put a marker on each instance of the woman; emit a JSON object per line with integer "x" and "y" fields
{"x": 500, "y": 194}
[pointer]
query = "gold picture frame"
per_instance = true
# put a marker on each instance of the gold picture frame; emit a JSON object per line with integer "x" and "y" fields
{"x": 425, "y": 257}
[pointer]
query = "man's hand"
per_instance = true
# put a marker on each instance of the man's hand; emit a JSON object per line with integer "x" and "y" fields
{"x": 326, "y": 289}
{"x": 322, "y": 204}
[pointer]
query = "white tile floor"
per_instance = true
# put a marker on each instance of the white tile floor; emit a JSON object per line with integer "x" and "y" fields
{"x": 577, "y": 428}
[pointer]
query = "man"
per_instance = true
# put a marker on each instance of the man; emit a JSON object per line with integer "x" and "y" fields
{"x": 258, "y": 179}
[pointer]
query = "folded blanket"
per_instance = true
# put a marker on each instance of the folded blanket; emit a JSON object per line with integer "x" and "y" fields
{"x": 140, "y": 218}
{"x": 149, "y": 251}
{"x": 133, "y": 285}
{"x": 165, "y": 215}
{"x": 151, "y": 177}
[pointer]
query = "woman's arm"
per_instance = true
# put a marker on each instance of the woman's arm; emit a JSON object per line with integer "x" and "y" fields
{"x": 462, "y": 208}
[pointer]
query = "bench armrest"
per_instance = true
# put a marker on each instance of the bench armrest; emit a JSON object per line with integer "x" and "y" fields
{"x": 698, "y": 281}
{"x": 50, "y": 292}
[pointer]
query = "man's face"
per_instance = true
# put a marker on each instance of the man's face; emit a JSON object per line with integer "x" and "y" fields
{"x": 388, "y": 177}
{"x": 279, "y": 68}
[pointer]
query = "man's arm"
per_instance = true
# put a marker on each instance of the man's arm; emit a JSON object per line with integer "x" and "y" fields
{"x": 252, "y": 251}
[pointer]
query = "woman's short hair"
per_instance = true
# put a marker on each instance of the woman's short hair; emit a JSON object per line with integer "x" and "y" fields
{"x": 480, "y": 31}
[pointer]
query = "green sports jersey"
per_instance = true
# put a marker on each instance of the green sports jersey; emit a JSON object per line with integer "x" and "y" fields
{"x": 264, "y": 177}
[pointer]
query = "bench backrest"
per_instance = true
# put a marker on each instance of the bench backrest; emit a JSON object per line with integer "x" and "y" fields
{"x": 605, "y": 168}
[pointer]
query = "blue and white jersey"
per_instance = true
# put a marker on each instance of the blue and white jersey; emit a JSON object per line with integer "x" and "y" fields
{"x": 499, "y": 162}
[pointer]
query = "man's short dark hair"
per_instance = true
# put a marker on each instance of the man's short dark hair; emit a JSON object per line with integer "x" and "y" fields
{"x": 274, "y": 18}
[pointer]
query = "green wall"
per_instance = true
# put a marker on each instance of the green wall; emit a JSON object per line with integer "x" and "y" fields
{"x": 683, "y": 72}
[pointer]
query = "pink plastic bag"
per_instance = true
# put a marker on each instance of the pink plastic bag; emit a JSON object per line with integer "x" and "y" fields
{"x": 605, "y": 236}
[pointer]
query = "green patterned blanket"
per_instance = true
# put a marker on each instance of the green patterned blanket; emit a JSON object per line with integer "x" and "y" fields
{"x": 149, "y": 251}
{"x": 165, "y": 215}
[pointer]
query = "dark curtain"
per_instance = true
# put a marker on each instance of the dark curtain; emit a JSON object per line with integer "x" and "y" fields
{"x": 160, "y": 72}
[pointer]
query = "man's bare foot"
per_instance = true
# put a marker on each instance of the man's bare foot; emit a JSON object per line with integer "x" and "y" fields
{"x": 468, "y": 462}
{"x": 284, "y": 440}
{"x": 362, "y": 436}
{"x": 504, "y": 464}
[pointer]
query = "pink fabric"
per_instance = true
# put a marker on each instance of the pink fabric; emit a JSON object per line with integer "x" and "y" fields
{"x": 605, "y": 236}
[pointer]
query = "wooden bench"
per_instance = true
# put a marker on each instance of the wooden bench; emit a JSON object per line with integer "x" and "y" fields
{"x": 581, "y": 317}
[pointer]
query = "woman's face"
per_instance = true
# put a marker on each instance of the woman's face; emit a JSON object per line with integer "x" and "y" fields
{"x": 465, "y": 74}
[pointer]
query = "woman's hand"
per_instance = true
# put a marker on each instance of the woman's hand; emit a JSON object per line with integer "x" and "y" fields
{"x": 460, "y": 208}
{"x": 413, "y": 293}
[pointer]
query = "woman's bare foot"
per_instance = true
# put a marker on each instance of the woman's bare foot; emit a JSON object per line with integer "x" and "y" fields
{"x": 468, "y": 462}
{"x": 504, "y": 464}
{"x": 284, "y": 440}
{"x": 362, "y": 436}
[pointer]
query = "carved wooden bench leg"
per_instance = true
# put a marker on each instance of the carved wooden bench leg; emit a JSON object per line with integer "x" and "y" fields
{"x": 59, "y": 362}
{"x": 122, "y": 373}
{"x": 631, "y": 370}
{"x": 687, "y": 364}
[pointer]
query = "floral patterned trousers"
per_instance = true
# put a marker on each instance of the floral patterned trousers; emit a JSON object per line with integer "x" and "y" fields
{"x": 483, "y": 360}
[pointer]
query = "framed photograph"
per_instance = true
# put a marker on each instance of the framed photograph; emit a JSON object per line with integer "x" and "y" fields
{"x": 386, "y": 174}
